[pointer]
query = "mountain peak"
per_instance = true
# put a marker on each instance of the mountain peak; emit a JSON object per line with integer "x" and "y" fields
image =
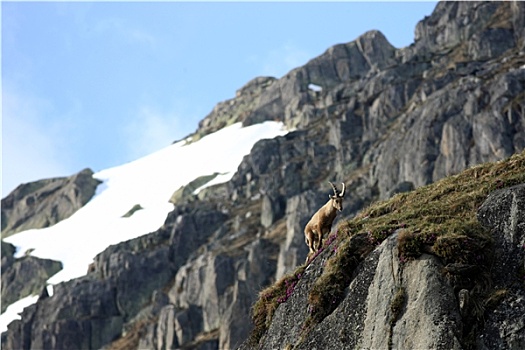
{"x": 453, "y": 23}
{"x": 405, "y": 129}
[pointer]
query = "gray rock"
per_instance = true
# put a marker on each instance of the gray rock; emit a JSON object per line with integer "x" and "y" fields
{"x": 490, "y": 43}
{"x": 24, "y": 276}
{"x": 293, "y": 250}
{"x": 429, "y": 318}
{"x": 187, "y": 324}
{"x": 271, "y": 210}
{"x": 235, "y": 321}
{"x": 518, "y": 20}
{"x": 81, "y": 314}
{"x": 202, "y": 282}
{"x": 450, "y": 24}
{"x": 504, "y": 214}
{"x": 260, "y": 265}
{"x": 428, "y": 315}
{"x": 44, "y": 203}
{"x": 166, "y": 329}
{"x": 138, "y": 276}
{"x": 8, "y": 250}
{"x": 383, "y": 120}
{"x": 189, "y": 228}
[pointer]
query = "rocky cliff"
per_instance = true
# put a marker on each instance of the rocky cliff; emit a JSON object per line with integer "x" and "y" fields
{"x": 441, "y": 267}
{"x": 23, "y": 276}
{"x": 44, "y": 203}
{"x": 384, "y": 121}
{"x": 37, "y": 205}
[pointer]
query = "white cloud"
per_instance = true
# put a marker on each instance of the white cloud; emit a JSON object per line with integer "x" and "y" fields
{"x": 32, "y": 147}
{"x": 281, "y": 60}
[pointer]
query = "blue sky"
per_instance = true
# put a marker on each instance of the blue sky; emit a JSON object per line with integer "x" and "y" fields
{"x": 100, "y": 84}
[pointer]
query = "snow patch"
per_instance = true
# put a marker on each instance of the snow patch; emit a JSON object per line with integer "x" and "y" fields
{"x": 12, "y": 312}
{"x": 315, "y": 88}
{"x": 150, "y": 181}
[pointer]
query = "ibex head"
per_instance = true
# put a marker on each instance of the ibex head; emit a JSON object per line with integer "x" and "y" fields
{"x": 337, "y": 197}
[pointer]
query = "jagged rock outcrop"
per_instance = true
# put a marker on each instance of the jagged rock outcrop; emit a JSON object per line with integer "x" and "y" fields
{"x": 90, "y": 312}
{"x": 436, "y": 300}
{"x": 364, "y": 318}
{"x": 383, "y": 120}
{"x": 209, "y": 300}
{"x": 44, "y": 203}
{"x": 246, "y": 102}
{"x": 23, "y": 276}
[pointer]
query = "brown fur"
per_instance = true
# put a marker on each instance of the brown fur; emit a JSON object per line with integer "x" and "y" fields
{"x": 320, "y": 224}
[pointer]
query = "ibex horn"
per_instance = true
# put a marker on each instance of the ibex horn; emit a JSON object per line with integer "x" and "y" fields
{"x": 342, "y": 194}
{"x": 336, "y": 192}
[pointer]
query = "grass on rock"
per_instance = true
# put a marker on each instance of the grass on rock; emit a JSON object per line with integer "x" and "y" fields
{"x": 439, "y": 218}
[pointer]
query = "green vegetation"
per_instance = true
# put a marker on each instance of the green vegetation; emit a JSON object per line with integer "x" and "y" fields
{"x": 132, "y": 211}
{"x": 186, "y": 192}
{"x": 269, "y": 300}
{"x": 439, "y": 219}
{"x": 327, "y": 291}
{"x": 397, "y": 304}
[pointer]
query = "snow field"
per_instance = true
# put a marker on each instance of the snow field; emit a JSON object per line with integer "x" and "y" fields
{"x": 149, "y": 181}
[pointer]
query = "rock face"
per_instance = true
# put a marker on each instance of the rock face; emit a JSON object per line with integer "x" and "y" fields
{"x": 44, "y": 203}
{"x": 123, "y": 286}
{"x": 364, "y": 318}
{"x": 245, "y": 103}
{"x": 391, "y": 304}
{"x": 381, "y": 119}
{"x": 504, "y": 214}
{"x": 23, "y": 276}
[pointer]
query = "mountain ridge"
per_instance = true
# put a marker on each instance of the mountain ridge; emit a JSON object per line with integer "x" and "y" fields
{"x": 383, "y": 120}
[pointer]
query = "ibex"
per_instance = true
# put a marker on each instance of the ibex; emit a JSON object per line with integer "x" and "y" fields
{"x": 320, "y": 224}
